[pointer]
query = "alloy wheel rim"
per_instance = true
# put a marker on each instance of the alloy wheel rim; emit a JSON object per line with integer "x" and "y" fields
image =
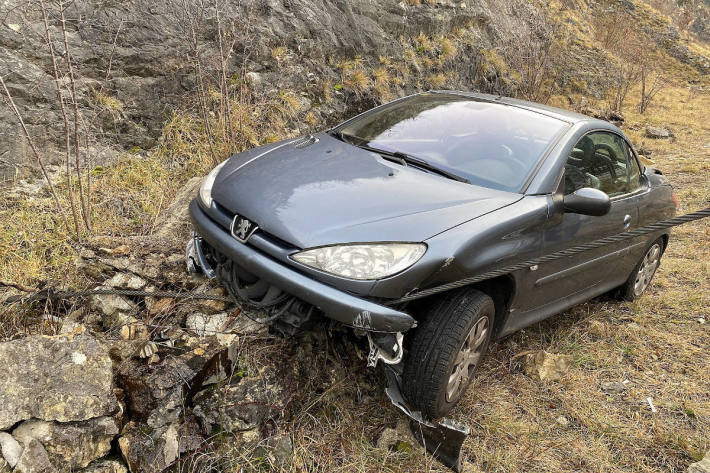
{"x": 467, "y": 358}
{"x": 648, "y": 267}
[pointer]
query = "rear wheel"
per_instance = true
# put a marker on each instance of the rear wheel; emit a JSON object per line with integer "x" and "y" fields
{"x": 446, "y": 349}
{"x": 643, "y": 272}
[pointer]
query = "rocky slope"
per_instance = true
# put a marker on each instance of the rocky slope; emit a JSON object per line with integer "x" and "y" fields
{"x": 134, "y": 61}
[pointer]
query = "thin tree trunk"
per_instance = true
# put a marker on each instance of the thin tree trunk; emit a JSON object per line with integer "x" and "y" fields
{"x": 67, "y": 133}
{"x": 75, "y": 100}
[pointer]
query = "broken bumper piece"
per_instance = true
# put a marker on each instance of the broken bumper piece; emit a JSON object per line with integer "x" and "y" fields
{"x": 443, "y": 438}
{"x": 334, "y": 303}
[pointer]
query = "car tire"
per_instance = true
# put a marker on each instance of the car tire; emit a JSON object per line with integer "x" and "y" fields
{"x": 643, "y": 273}
{"x": 450, "y": 341}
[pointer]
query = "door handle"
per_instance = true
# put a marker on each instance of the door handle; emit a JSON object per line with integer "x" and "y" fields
{"x": 627, "y": 221}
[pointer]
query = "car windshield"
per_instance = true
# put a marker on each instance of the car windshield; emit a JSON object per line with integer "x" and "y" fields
{"x": 489, "y": 143}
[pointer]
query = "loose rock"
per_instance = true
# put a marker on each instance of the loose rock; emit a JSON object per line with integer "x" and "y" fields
{"x": 11, "y": 450}
{"x": 658, "y": 133}
{"x": 111, "y": 305}
{"x": 34, "y": 459}
{"x": 254, "y": 80}
{"x": 64, "y": 378}
{"x": 613, "y": 387}
{"x": 203, "y": 324}
{"x": 241, "y": 405}
{"x": 105, "y": 466}
{"x": 72, "y": 445}
{"x": 703, "y": 466}
{"x": 149, "y": 450}
{"x": 399, "y": 438}
{"x": 547, "y": 366}
{"x": 126, "y": 281}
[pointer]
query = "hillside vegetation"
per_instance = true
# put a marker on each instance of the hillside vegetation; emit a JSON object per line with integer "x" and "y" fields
{"x": 639, "y": 63}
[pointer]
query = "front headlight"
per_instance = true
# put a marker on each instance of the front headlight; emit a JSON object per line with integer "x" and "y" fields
{"x": 206, "y": 187}
{"x": 362, "y": 261}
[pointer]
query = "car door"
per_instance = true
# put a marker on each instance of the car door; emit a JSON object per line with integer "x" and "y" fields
{"x": 601, "y": 160}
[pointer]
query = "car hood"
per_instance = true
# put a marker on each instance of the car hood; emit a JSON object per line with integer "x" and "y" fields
{"x": 312, "y": 193}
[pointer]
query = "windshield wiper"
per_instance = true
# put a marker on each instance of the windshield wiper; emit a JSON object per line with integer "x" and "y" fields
{"x": 337, "y": 134}
{"x": 406, "y": 159}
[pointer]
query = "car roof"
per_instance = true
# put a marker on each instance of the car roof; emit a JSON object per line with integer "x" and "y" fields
{"x": 554, "y": 112}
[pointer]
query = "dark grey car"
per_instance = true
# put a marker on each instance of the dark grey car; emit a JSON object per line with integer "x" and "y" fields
{"x": 421, "y": 192}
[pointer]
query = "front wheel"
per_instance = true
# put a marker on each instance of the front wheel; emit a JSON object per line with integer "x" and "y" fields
{"x": 643, "y": 272}
{"x": 446, "y": 349}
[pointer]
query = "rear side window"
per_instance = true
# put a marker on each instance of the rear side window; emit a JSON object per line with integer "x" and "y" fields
{"x": 634, "y": 170}
{"x": 603, "y": 161}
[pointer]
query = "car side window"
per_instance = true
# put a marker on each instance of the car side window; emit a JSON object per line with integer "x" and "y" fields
{"x": 634, "y": 170}
{"x": 601, "y": 160}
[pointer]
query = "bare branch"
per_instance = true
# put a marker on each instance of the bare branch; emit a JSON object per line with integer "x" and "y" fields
{"x": 60, "y": 99}
{"x": 60, "y": 209}
{"x": 75, "y": 101}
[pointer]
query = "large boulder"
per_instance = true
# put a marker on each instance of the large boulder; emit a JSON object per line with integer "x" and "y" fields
{"x": 70, "y": 445}
{"x": 64, "y": 378}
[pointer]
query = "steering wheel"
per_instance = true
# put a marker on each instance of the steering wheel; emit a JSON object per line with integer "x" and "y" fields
{"x": 606, "y": 161}
{"x": 575, "y": 179}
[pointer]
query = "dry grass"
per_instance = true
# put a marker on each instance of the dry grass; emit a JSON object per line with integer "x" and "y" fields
{"x": 339, "y": 410}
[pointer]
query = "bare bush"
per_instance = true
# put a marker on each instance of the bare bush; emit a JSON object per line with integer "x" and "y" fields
{"x": 532, "y": 52}
{"x": 636, "y": 60}
{"x": 652, "y": 82}
{"x": 221, "y": 38}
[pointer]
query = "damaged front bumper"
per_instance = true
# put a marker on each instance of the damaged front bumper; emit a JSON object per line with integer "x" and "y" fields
{"x": 335, "y": 304}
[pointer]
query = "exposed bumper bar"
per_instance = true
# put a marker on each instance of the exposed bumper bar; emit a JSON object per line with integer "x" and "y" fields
{"x": 335, "y": 304}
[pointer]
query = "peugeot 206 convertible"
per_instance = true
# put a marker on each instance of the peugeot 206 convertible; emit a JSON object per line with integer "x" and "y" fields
{"x": 420, "y": 193}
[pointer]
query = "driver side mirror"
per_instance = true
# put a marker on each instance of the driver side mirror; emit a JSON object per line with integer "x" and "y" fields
{"x": 587, "y": 201}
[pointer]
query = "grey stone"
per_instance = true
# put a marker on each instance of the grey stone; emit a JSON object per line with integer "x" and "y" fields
{"x": 34, "y": 459}
{"x": 126, "y": 281}
{"x": 703, "y": 466}
{"x": 613, "y": 387}
{"x": 399, "y": 438}
{"x": 148, "y": 450}
{"x": 658, "y": 133}
{"x": 176, "y": 217}
{"x": 282, "y": 449}
{"x": 240, "y": 405}
{"x": 65, "y": 378}
{"x": 563, "y": 421}
{"x": 203, "y": 324}
{"x": 254, "y": 81}
{"x": 546, "y": 366}
{"x": 105, "y": 466}
{"x": 10, "y": 448}
{"x": 111, "y": 305}
{"x": 71, "y": 445}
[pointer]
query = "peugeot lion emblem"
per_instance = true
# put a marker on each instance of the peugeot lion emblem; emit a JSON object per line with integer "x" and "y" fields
{"x": 242, "y": 228}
